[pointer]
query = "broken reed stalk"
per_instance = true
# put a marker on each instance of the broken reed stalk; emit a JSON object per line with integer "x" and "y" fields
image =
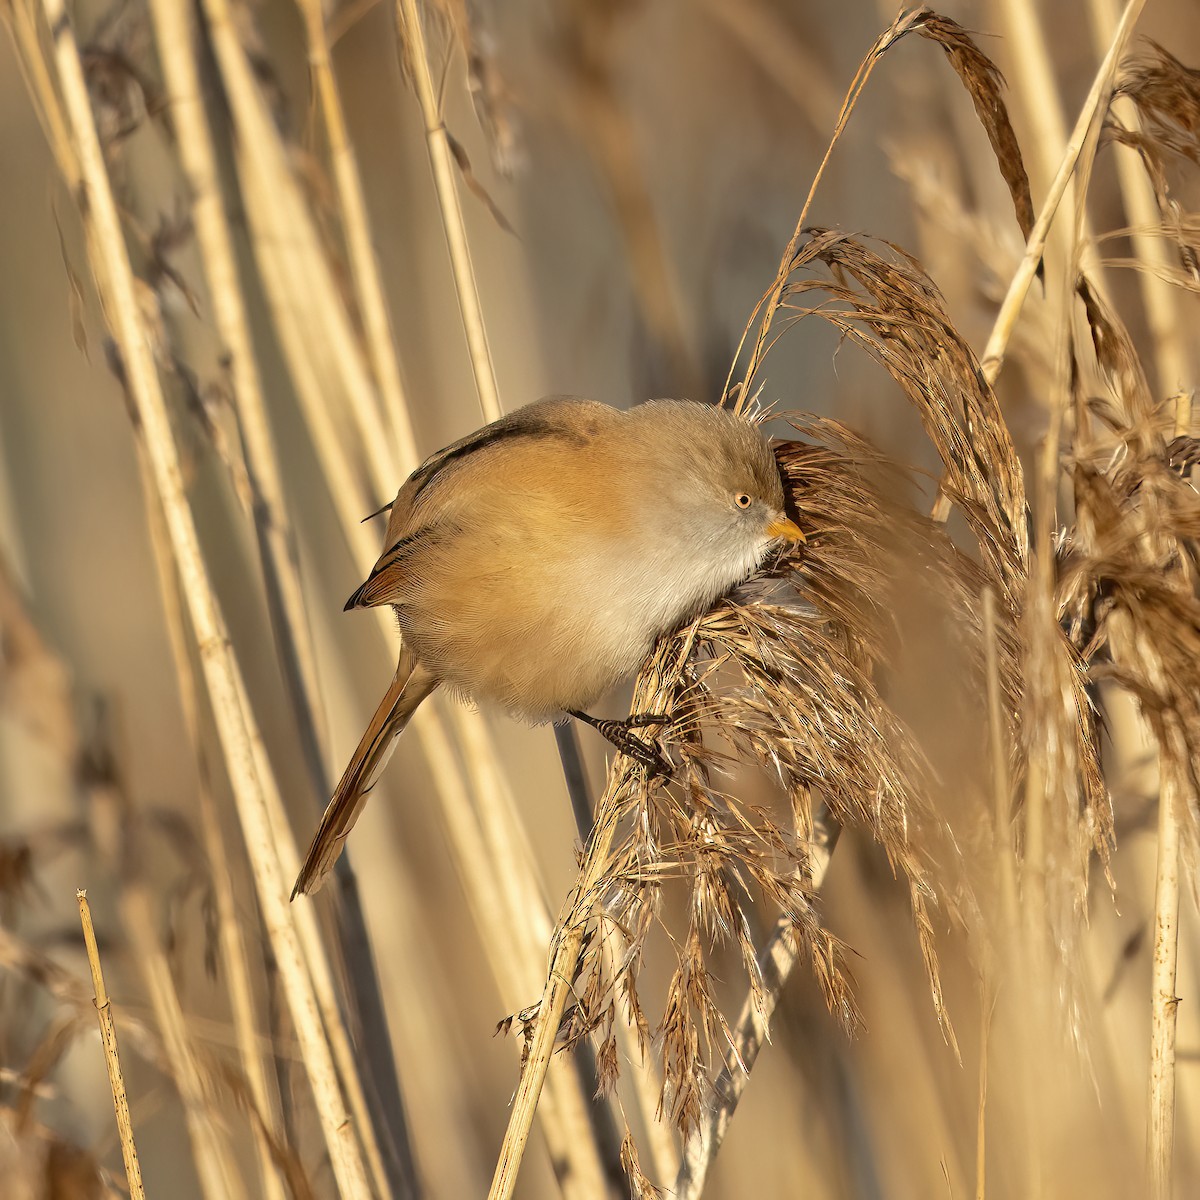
{"x": 414, "y": 52}
{"x": 776, "y": 963}
{"x": 116, "y": 284}
{"x": 108, "y": 1038}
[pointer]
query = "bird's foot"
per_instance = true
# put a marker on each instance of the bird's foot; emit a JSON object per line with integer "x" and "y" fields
{"x": 620, "y": 734}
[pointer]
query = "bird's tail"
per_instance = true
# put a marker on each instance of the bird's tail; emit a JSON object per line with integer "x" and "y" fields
{"x": 410, "y": 686}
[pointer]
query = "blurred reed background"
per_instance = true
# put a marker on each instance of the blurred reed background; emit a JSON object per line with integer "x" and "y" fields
{"x": 629, "y": 172}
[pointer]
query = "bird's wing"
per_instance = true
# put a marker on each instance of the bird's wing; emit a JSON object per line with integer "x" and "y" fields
{"x": 410, "y": 686}
{"x": 429, "y": 503}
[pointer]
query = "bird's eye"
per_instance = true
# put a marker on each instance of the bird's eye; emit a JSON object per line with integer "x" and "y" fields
{"x": 742, "y": 500}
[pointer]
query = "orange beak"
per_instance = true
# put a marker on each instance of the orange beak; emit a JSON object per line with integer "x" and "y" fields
{"x": 782, "y": 527}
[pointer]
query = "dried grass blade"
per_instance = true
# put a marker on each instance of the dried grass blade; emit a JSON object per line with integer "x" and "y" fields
{"x": 983, "y": 81}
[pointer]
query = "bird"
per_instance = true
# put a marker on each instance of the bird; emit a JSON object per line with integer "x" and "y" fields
{"x": 533, "y": 564}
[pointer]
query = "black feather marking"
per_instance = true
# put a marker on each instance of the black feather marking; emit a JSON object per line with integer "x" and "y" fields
{"x": 373, "y": 586}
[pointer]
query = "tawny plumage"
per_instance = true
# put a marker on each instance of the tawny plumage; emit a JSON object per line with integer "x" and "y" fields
{"x": 533, "y": 564}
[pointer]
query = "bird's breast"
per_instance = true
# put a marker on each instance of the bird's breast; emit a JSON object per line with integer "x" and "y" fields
{"x": 540, "y": 630}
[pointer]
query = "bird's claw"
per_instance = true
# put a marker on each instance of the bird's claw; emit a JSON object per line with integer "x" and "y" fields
{"x": 621, "y": 735}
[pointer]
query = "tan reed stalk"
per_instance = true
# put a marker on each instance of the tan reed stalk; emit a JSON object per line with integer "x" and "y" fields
{"x": 554, "y": 996}
{"x": 176, "y": 43}
{"x": 325, "y": 368}
{"x": 108, "y": 1038}
{"x": 1040, "y": 613}
{"x": 229, "y": 931}
{"x": 270, "y": 185}
{"x": 221, "y": 672}
{"x": 348, "y": 494}
{"x": 215, "y": 1168}
{"x": 1161, "y": 302}
{"x": 1092, "y": 111}
{"x": 319, "y": 344}
{"x": 1033, "y": 79}
{"x": 316, "y": 959}
{"x": 511, "y": 928}
{"x": 364, "y": 269}
{"x": 524, "y": 898}
{"x": 236, "y": 964}
{"x": 1005, "y": 863}
{"x": 284, "y": 588}
{"x": 441, "y": 160}
{"x": 36, "y": 72}
{"x": 985, "y": 1026}
{"x": 1164, "y": 1004}
{"x": 1160, "y": 1125}
{"x": 777, "y": 961}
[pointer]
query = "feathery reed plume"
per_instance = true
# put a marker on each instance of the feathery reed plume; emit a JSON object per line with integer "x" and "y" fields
{"x": 1166, "y": 94}
{"x": 787, "y": 676}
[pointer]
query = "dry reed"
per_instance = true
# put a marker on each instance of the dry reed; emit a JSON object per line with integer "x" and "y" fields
{"x": 933, "y": 692}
